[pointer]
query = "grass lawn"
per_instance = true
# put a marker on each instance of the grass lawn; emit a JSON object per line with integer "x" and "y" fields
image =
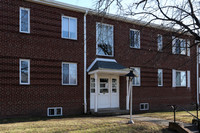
{"x": 78, "y": 125}
{"x": 180, "y": 116}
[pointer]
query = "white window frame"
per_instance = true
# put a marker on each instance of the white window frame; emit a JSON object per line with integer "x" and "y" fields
{"x": 188, "y": 79}
{"x": 55, "y": 110}
{"x": 199, "y": 54}
{"x": 21, "y": 73}
{"x": 69, "y": 74}
{"x": 161, "y": 43}
{"x": 144, "y": 106}
{"x": 174, "y": 47}
{"x": 138, "y": 76}
{"x": 97, "y": 23}
{"x": 188, "y": 47}
{"x": 27, "y": 9}
{"x": 138, "y": 39}
{"x": 161, "y": 70}
{"x": 174, "y": 78}
{"x": 63, "y": 16}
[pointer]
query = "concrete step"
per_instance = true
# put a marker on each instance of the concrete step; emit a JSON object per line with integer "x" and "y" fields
{"x": 191, "y": 128}
{"x": 109, "y": 112}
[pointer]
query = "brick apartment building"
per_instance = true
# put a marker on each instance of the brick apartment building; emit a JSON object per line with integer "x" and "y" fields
{"x": 59, "y": 59}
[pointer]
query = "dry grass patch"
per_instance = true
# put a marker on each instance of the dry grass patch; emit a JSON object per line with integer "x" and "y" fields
{"x": 180, "y": 116}
{"x": 81, "y": 125}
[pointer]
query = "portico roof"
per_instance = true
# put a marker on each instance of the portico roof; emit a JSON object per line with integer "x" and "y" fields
{"x": 107, "y": 66}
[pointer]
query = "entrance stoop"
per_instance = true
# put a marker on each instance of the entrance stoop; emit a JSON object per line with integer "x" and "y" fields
{"x": 109, "y": 112}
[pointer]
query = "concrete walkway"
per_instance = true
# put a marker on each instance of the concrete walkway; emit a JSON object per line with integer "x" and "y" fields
{"x": 159, "y": 121}
{"x": 148, "y": 119}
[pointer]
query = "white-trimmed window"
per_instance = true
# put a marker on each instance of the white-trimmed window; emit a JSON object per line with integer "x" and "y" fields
{"x": 104, "y": 39}
{"x": 92, "y": 85}
{"x": 69, "y": 73}
{"x": 136, "y": 80}
{"x": 179, "y": 46}
{"x": 54, "y": 111}
{"x": 24, "y": 20}
{"x": 144, "y": 106}
{"x": 160, "y": 42}
{"x": 160, "y": 77}
{"x": 134, "y": 38}
{"x": 69, "y": 27}
{"x": 179, "y": 78}
{"x": 24, "y": 71}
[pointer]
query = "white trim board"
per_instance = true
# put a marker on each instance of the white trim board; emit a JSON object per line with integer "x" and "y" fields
{"x": 100, "y": 59}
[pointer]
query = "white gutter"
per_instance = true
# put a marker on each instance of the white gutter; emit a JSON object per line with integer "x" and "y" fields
{"x": 85, "y": 61}
{"x": 197, "y": 75}
{"x": 61, "y": 5}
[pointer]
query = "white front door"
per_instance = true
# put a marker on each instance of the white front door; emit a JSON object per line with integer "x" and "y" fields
{"x": 108, "y": 92}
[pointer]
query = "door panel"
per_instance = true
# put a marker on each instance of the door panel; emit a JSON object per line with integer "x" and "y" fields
{"x": 104, "y": 93}
{"x": 115, "y": 93}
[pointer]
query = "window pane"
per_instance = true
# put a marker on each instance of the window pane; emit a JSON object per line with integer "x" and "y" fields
{"x": 183, "y": 47}
{"x": 58, "y": 111}
{"x": 160, "y": 42}
{"x": 65, "y": 73}
{"x": 136, "y": 80}
{"x": 24, "y": 20}
{"x": 73, "y": 28}
{"x": 104, "y": 39}
{"x": 114, "y": 85}
{"x": 183, "y": 78}
{"x": 131, "y": 38}
{"x": 51, "y": 112}
{"x": 73, "y": 73}
{"x": 24, "y": 71}
{"x": 178, "y": 78}
{"x": 160, "y": 77}
{"x": 134, "y": 39}
{"x": 65, "y": 27}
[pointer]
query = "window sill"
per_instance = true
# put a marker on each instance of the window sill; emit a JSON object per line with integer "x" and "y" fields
{"x": 75, "y": 39}
{"x": 135, "y": 48}
{"x": 181, "y": 86}
{"x": 24, "y": 84}
{"x": 23, "y": 32}
{"x": 136, "y": 85}
{"x": 105, "y": 55}
{"x": 69, "y": 84}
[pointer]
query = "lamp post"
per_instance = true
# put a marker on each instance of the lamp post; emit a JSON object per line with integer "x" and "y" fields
{"x": 130, "y": 75}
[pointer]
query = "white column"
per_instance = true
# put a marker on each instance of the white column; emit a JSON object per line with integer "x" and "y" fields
{"x": 96, "y": 93}
{"x": 127, "y": 94}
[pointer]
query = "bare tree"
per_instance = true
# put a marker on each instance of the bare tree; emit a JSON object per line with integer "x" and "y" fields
{"x": 178, "y": 14}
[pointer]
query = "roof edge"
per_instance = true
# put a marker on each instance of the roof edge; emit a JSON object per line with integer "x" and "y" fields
{"x": 62, "y": 5}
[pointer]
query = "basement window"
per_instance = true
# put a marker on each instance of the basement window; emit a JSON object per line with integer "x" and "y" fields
{"x": 54, "y": 111}
{"x": 144, "y": 106}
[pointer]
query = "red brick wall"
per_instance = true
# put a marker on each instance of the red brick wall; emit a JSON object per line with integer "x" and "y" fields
{"x": 46, "y": 50}
{"x": 149, "y": 60}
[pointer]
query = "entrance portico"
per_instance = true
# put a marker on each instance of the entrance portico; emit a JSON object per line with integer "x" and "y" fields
{"x": 105, "y": 84}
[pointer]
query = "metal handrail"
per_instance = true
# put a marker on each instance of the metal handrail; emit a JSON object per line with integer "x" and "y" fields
{"x": 174, "y": 107}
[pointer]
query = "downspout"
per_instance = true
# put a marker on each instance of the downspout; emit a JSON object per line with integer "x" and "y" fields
{"x": 197, "y": 75}
{"x": 85, "y": 67}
